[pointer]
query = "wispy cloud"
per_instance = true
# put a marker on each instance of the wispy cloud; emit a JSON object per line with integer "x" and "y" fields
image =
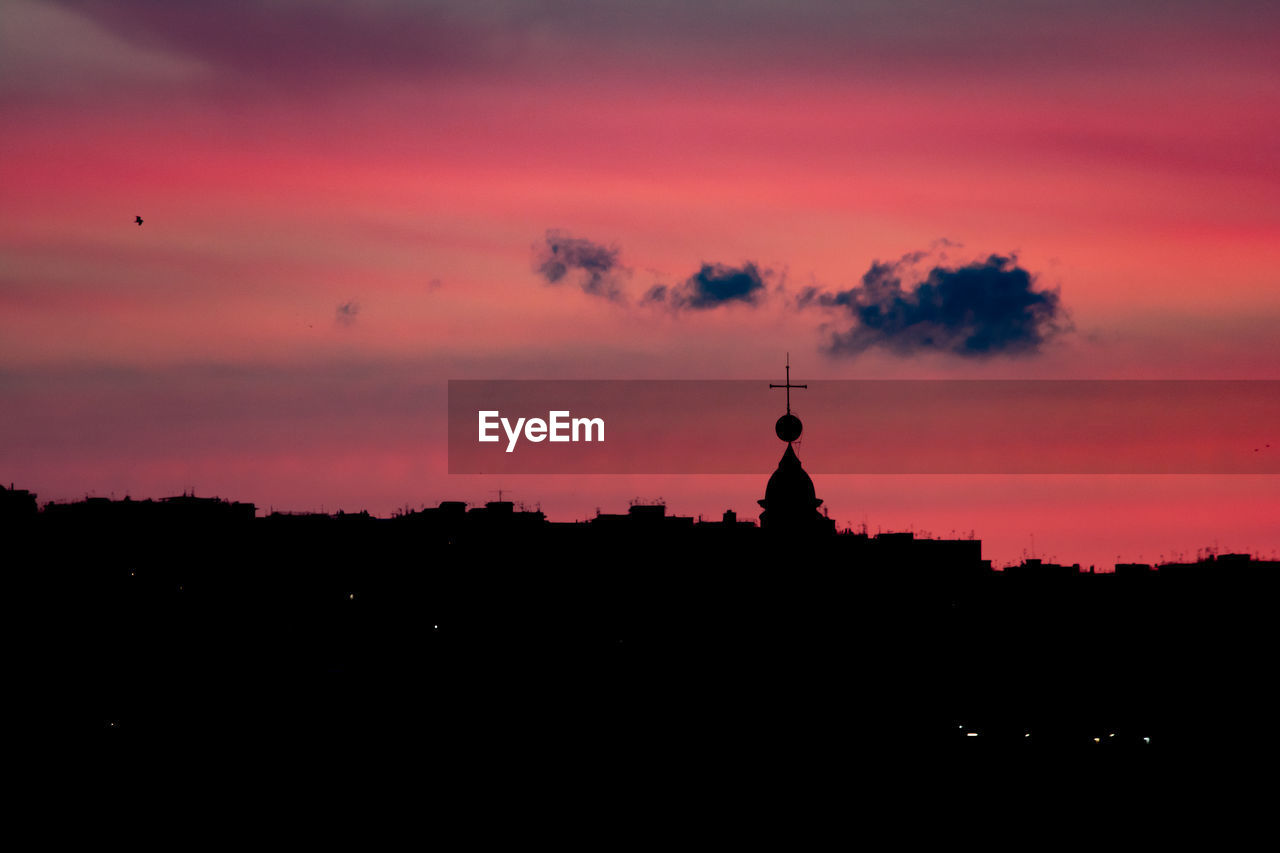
{"x": 345, "y": 314}
{"x": 712, "y": 286}
{"x": 594, "y": 265}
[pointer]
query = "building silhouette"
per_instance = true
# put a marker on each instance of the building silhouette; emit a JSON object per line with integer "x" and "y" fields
{"x": 469, "y": 624}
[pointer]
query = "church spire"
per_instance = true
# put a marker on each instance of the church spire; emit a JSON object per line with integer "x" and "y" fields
{"x": 789, "y": 502}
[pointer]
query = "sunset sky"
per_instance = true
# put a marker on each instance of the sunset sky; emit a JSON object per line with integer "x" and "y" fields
{"x": 348, "y": 204}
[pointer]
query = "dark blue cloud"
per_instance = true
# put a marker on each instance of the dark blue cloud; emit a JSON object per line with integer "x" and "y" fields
{"x": 985, "y": 308}
{"x": 713, "y": 285}
{"x": 595, "y": 266}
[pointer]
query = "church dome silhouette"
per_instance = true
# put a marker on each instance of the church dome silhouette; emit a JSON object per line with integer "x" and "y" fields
{"x": 790, "y": 489}
{"x": 790, "y": 502}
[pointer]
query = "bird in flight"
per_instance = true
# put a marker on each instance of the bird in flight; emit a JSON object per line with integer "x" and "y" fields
{"x": 138, "y": 219}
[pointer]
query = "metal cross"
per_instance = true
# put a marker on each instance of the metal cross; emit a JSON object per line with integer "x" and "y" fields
{"x": 788, "y": 385}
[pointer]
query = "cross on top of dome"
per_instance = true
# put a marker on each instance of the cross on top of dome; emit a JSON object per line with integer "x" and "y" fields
{"x": 788, "y": 426}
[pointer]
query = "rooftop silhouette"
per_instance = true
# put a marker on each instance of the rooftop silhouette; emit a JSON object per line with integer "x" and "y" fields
{"x": 187, "y": 614}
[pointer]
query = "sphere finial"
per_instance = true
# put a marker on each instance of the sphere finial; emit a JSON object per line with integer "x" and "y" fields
{"x": 788, "y": 427}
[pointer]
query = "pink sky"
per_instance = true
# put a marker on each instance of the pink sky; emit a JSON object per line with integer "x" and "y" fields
{"x": 291, "y": 158}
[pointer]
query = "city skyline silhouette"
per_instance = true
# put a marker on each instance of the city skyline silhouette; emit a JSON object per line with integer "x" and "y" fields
{"x": 1022, "y": 483}
{"x": 1035, "y": 655}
